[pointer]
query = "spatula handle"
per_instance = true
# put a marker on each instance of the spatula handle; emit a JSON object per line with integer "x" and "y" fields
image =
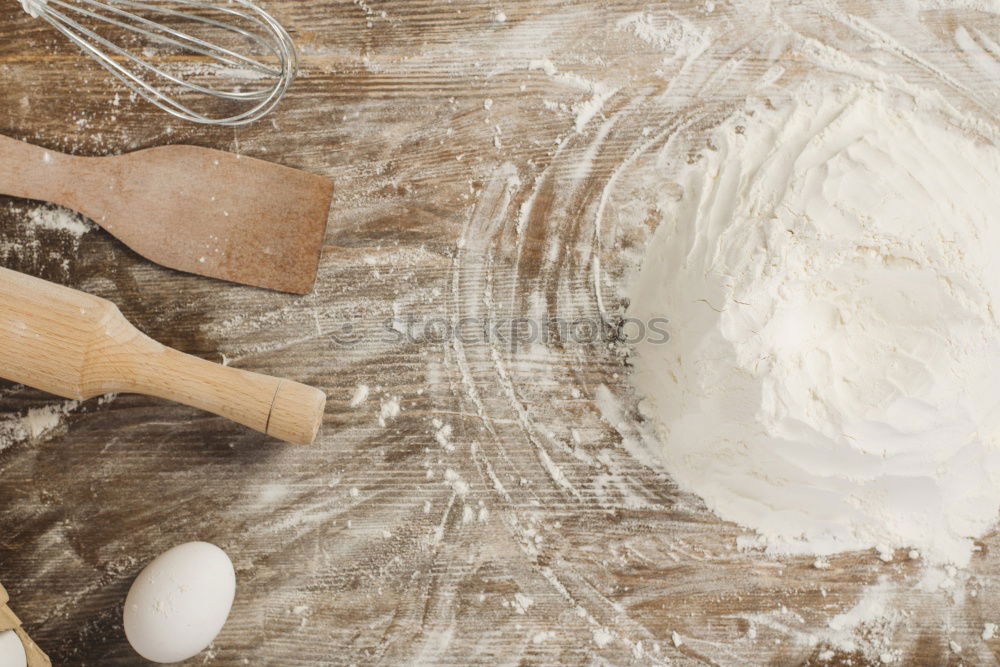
{"x": 33, "y": 172}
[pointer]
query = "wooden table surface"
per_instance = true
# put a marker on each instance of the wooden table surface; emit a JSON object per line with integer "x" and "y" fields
{"x": 492, "y": 162}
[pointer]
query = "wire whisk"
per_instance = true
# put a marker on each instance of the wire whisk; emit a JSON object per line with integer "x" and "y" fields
{"x": 148, "y": 46}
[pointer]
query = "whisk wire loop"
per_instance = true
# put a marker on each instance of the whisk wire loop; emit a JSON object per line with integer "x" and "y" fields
{"x": 152, "y": 81}
{"x": 181, "y": 39}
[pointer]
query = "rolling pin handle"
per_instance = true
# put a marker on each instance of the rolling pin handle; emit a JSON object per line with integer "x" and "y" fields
{"x": 296, "y": 413}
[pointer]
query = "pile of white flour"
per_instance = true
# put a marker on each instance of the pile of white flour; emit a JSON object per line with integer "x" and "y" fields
{"x": 832, "y": 279}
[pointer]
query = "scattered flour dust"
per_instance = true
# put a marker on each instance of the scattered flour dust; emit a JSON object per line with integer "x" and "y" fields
{"x": 443, "y": 433}
{"x": 522, "y": 603}
{"x": 602, "y": 637}
{"x": 60, "y": 219}
{"x": 389, "y": 410}
{"x": 32, "y": 242}
{"x": 33, "y": 424}
{"x": 360, "y": 395}
{"x": 833, "y": 374}
{"x": 585, "y": 111}
{"x": 865, "y": 628}
{"x": 672, "y": 35}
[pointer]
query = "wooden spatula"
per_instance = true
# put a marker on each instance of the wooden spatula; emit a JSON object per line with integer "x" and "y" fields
{"x": 194, "y": 209}
{"x": 78, "y": 346}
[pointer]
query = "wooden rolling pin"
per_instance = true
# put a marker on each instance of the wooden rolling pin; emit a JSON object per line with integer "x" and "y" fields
{"x": 11, "y": 623}
{"x": 78, "y": 346}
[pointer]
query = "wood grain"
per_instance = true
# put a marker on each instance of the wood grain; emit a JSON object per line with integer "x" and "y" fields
{"x": 507, "y": 515}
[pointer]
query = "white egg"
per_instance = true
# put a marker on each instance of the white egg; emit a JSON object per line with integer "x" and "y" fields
{"x": 179, "y": 602}
{"x": 12, "y": 650}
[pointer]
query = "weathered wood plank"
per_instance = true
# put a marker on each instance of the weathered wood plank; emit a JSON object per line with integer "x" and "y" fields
{"x": 499, "y": 517}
